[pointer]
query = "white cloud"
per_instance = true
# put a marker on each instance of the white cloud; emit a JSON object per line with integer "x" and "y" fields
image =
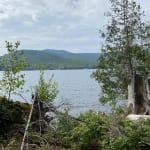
{"x": 61, "y": 24}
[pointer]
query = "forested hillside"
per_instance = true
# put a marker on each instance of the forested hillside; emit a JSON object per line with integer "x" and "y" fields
{"x": 59, "y": 59}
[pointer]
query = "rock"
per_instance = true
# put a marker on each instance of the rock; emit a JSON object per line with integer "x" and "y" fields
{"x": 135, "y": 117}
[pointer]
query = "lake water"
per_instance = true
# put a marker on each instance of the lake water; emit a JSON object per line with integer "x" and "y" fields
{"x": 76, "y": 88}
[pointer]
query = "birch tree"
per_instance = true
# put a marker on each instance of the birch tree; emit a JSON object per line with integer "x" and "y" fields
{"x": 12, "y": 63}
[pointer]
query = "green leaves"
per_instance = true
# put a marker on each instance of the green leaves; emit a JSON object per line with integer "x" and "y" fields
{"x": 125, "y": 50}
{"x": 12, "y": 48}
{"x": 46, "y": 90}
{"x": 12, "y": 63}
{"x": 135, "y": 135}
{"x": 87, "y": 133}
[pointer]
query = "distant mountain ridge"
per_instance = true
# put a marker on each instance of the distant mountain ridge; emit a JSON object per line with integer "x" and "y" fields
{"x": 59, "y": 59}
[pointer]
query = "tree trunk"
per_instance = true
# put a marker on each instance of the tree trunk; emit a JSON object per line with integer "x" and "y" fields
{"x": 28, "y": 123}
{"x": 131, "y": 95}
{"x": 148, "y": 87}
{"x": 139, "y": 94}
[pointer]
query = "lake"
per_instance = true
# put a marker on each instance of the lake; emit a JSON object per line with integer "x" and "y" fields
{"x": 76, "y": 88}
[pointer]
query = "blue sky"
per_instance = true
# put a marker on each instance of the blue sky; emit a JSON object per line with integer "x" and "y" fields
{"x": 58, "y": 24}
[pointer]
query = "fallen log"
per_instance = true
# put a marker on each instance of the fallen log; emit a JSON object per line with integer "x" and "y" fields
{"x": 134, "y": 117}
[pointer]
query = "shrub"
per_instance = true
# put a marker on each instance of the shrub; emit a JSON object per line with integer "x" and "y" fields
{"x": 12, "y": 118}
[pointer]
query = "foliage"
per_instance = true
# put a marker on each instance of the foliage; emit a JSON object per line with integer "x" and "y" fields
{"x": 12, "y": 64}
{"x": 64, "y": 125}
{"x": 45, "y": 93}
{"x": 134, "y": 135}
{"x": 90, "y": 132}
{"x": 124, "y": 50}
{"x": 100, "y": 131}
{"x": 85, "y": 132}
{"x": 46, "y": 90}
{"x": 12, "y": 124}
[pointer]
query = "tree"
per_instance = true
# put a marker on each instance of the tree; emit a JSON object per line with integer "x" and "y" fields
{"x": 45, "y": 93}
{"x": 46, "y": 90}
{"x": 12, "y": 64}
{"x": 125, "y": 56}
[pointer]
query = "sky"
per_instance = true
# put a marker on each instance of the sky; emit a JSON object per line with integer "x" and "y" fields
{"x": 72, "y": 25}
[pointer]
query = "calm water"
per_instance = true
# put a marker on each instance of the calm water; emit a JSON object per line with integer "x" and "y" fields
{"x": 76, "y": 88}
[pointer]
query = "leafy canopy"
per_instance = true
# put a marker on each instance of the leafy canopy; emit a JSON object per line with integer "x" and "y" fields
{"x": 46, "y": 90}
{"x": 125, "y": 50}
{"x": 13, "y": 63}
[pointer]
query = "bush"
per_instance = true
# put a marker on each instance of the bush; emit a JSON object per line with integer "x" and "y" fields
{"x": 93, "y": 131}
{"x": 85, "y": 132}
{"x": 134, "y": 135}
{"x": 90, "y": 131}
{"x": 12, "y": 118}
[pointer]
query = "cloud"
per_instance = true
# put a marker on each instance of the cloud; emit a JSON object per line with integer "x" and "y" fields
{"x": 61, "y": 24}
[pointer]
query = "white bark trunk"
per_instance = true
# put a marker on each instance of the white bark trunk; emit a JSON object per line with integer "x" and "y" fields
{"x": 28, "y": 123}
{"x": 148, "y": 90}
{"x": 131, "y": 94}
{"x": 139, "y": 95}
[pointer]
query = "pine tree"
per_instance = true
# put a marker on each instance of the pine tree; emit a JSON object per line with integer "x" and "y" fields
{"x": 123, "y": 67}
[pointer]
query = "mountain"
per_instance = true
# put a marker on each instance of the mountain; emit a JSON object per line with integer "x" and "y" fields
{"x": 59, "y": 59}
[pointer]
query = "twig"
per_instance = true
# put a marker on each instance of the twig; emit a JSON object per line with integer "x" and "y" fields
{"x": 39, "y": 107}
{"x": 22, "y": 97}
{"x": 146, "y": 143}
{"x": 2, "y": 147}
{"x": 27, "y": 126}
